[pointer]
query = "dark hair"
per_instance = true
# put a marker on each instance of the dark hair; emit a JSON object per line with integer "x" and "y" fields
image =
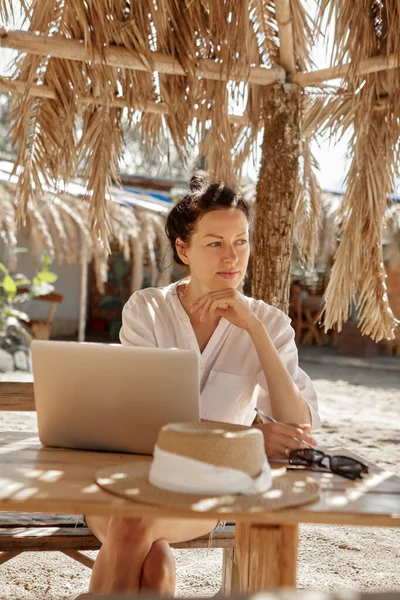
{"x": 202, "y": 198}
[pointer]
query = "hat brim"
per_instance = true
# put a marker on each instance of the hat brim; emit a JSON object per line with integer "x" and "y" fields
{"x": 130, "y": 481}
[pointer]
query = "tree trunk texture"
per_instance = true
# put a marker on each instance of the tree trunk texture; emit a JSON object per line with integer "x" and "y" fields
{"x": 276, "y": 196}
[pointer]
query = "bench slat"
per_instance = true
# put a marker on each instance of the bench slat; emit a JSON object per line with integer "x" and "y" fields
{"x": 17, "y": 396}
{"x": 39, "y": 520}
{"x": 27, "y": 520}
{"x": 204, "y": 542}
{"x": 31, "y": 539}
{"x": 69, "y": 538}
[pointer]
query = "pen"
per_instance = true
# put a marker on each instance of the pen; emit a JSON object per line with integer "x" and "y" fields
{"x": 265, "y": 416}
{"x": 272, "y": 420}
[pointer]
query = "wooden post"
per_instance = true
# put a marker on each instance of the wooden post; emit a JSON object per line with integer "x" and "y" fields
{"x": 83, "y": 295}
{"x": 230, "y": 573}
{"x": 267, "y": 556}
{"x": 137, "y": 254}
{"x": 285, "y": 32}
{"x": 276, "y": 198}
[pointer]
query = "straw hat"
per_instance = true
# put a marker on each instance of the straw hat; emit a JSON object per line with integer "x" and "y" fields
{"x": 207, "y": 467}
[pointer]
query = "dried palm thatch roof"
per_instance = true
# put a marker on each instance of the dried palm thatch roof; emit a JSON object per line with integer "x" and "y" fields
{"x": 182, "y": 66}
{"x": 59, "y": 225}
{"x": 98, "y": 59}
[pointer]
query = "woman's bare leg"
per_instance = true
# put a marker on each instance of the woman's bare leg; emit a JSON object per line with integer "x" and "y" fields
{"x": 159, "y": 572}
{"x": 119, "y": 563}
{"x": 135, "y": 553}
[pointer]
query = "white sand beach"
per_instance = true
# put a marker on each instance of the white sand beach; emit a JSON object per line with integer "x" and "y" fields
{"x": 360, "y": 409}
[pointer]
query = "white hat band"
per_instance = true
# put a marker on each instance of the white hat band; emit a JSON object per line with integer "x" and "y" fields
{"x": 178, "y": 473}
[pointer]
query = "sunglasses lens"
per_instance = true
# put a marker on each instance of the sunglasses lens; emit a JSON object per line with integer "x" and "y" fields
{"x": 294, "y": 459}
{"x": 344, "y": 465}
{"x": 341, "y": 465}
{"x": 305, "y": 456}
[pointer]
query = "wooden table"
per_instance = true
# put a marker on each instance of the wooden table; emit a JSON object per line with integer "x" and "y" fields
{"x": 50, "y": 480}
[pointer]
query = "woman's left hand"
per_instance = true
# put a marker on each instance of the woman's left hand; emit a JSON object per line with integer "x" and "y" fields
{"x": 229, "y": 304}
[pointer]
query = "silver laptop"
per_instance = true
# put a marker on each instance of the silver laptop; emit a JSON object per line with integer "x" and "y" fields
{"x": 111, "y": 397}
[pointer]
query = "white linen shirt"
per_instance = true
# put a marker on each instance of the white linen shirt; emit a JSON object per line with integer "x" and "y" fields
{"x": 232, "y": 381}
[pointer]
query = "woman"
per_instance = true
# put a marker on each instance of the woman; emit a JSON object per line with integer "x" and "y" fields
{"x": 247, "y": 357}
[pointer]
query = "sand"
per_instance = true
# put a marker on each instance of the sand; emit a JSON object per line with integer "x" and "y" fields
{"x": 360, "y": 409}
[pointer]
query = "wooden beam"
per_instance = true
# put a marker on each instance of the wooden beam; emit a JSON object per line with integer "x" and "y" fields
{"x": 285, "y": 33}
{"x": 37, "y": 91}
{"x": 115, "y": 56}
{"x": 44, "y": 91}
{"x": 367, "y": 66}
{"x": 80, "y": 557}
{"x": 5, "y": 556}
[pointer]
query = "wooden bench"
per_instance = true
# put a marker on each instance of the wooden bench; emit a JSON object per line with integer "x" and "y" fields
{"x": 22, "y": 532}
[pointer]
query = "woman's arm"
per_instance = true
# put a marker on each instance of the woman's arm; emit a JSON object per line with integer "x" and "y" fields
{"x": 287, "y": 403}
{"x": 277, "y": 356}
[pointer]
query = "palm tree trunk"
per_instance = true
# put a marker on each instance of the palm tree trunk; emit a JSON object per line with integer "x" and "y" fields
{"x": 276, "y": 196}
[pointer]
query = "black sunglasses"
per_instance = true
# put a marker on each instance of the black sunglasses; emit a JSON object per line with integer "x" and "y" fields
{"x": 340, "y": 465}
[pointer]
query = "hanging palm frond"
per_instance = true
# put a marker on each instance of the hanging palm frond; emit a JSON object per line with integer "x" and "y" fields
{"x": 305, "y": 31}
{"x": 99, "y": 146}
{"x": 35, "y": 122}
{"x": 8, "y": 10}
{"x": 328, "y": 111}
{"x": 365, "y": 29}
{"x": 308, "y": 211}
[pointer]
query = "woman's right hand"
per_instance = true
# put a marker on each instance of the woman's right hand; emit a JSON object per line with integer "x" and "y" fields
{"x": 280, "y": 438}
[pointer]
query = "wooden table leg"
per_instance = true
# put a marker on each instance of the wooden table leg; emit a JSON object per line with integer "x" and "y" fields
{"x": 267, "y": 556}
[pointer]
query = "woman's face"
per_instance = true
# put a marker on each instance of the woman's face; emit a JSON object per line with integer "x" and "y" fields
{"x": 218, "y": 251}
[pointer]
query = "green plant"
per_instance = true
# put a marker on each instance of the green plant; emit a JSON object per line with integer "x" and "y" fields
{"x": 15, "y": 289}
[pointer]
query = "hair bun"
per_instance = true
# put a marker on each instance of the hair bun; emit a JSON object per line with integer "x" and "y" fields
{"x": 199, "y": 181}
